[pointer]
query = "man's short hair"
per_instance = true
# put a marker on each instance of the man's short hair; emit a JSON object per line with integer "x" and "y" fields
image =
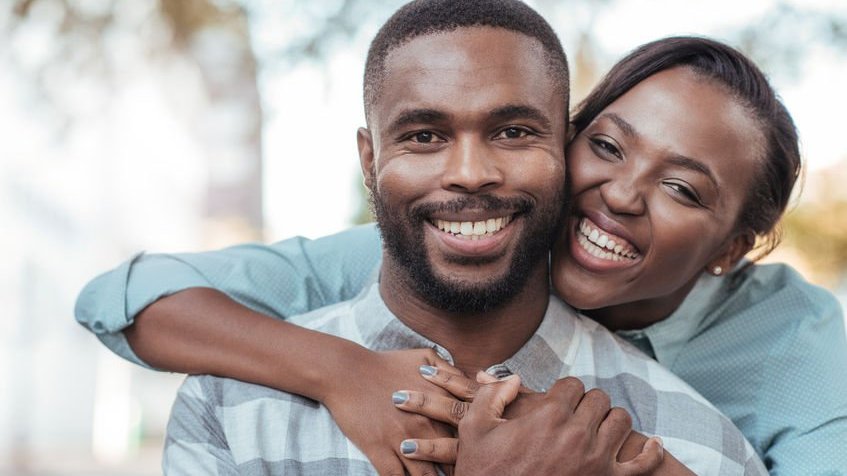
{"x": 425, "y": 17}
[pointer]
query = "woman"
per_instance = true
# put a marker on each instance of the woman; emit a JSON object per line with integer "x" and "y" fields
{"x": 667, "y": 202}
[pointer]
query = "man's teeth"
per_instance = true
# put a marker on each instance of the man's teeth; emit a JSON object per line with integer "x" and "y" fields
{"x": 600, "y": 245}
{"x": 473, "y": 229}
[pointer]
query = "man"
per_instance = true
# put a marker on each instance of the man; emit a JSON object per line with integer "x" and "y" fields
{"x": 466, "y": 104}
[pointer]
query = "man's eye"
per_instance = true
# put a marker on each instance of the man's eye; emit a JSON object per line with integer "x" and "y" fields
{"x": 513, "y": 133}
{"x": 424, "y": 137}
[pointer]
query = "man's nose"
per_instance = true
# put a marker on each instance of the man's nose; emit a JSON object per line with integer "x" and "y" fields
{"x": 471, "y": 168}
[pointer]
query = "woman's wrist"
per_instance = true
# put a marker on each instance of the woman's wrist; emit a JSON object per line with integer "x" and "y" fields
{"x": 329, "y": 366}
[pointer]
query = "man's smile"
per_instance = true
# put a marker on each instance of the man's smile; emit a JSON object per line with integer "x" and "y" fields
{"x": 473, "y": 230}
{"x": 483, "y": 237}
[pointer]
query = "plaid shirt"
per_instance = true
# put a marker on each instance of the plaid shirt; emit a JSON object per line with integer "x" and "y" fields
{"x": 223, "y": 426}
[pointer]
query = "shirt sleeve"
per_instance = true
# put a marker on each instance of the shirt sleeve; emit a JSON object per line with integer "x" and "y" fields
{"x": 287, "y": 278}
{"x": 807, "y": 378}
{"x": 196, "y": 443}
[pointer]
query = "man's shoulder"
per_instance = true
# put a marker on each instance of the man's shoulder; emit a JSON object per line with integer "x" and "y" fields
{"x": 214, "y": 392}
{"x": 336, "y": 319}
{"x": 660, "y": 402}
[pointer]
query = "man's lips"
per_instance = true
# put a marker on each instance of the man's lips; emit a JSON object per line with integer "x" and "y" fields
{"x": 474, "y": 238}
{"x": 475, "y": 229}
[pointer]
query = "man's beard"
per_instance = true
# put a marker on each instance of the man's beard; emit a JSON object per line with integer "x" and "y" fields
{"x": 403, "y": 239}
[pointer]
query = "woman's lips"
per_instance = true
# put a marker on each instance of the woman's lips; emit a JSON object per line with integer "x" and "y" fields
{"x": 596, "y": 249}
{"x": 602, "y": 244}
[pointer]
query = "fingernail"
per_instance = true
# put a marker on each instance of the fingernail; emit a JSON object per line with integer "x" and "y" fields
{"x": 428, "y": 370}
{"x": 399, "y": 397}
{"x": 408, "y": 447}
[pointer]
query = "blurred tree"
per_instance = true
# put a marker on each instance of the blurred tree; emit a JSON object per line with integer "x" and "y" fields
{"x": 61, "y": 46}
{"x": 780, "y": 41}
{"x": 817, "y": 228}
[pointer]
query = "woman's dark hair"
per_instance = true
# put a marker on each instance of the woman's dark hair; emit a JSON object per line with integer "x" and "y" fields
{"x": 771, "y": 191}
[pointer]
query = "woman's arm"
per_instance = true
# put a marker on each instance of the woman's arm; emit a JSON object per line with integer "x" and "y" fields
{"x": 284, "y": 279}
{"x": 221, "y": 313}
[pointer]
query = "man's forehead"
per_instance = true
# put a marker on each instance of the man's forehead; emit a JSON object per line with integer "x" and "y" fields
{"x": 452, "y": 47}
{"x": 471, "y": 68}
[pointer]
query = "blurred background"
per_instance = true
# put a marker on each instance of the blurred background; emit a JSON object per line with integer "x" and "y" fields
{"x": 185, "y": 125}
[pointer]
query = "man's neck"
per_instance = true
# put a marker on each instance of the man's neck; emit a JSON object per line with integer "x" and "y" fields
{"x": 476, "y": 341}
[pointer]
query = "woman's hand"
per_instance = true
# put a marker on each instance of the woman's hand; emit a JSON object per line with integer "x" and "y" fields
{"x": 360, "y": 398}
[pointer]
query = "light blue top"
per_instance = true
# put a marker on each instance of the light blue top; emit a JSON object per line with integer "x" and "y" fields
{"x": 762, "y": 344}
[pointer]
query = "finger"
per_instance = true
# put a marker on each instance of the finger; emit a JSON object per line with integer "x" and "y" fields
{"x": 388, "y": 464}
{"x": 436, "y": 450}
{"x": 436, "y": 360}
{"x": 592, "y": 410}
{"x": 646, "y": 462}
{"x": 484, "y": 377}
{"x": 420, "y": 468}
{"x": 487, "y": 410}
{"x": 436, "y": 407}
{"x": 456, "y": 383}
{"x": 614, "y": 431}
{"x": 568, "y": 392}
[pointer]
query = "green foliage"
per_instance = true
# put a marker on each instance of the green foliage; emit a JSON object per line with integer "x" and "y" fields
{"x": 818, "y": 232}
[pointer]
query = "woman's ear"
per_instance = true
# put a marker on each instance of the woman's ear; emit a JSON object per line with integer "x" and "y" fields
{"x": 739, "y": 246}
{"x": 571, "y": 132}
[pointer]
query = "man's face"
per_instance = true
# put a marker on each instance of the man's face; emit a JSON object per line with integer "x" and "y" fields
{"x": 465, "y": 162}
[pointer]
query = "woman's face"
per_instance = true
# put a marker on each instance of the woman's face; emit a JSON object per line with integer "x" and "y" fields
{"x": 658, "y": 181}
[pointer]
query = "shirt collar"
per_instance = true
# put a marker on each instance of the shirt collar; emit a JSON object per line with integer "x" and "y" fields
{"x": 667, "y": 337}
{"x": 544, "y": 358}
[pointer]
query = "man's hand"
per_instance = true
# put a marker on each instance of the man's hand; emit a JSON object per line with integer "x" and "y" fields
{"x": 564, "y": 431}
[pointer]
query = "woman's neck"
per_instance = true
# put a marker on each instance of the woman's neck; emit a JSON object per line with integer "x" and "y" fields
{"x": 640, "y": 314}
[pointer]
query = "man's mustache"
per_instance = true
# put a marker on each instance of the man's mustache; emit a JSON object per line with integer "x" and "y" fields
{"x": 506, "y": 205}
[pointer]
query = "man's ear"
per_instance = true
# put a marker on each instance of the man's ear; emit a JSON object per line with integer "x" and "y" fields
{"x": 739, "y": 246}
{"x": 366, "y": 156}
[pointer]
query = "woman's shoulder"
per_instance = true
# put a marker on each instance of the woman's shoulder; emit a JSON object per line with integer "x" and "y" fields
{"x": 781, "y": 289}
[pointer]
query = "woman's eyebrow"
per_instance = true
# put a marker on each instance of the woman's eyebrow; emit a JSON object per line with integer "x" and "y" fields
{"x": 624, "y": 126}
{"x": 676, "y": 159}
{"x": 693, "y": 164}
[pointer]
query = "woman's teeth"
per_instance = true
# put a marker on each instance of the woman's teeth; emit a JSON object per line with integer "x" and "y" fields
{"x": 600, "y": 245}
{"x": 473, "y": 230}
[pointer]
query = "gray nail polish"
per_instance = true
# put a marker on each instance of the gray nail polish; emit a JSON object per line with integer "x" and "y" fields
{"x": 428, "y": 370}
{"x": 399, "y": 397}
{"x": 408, "y": 447}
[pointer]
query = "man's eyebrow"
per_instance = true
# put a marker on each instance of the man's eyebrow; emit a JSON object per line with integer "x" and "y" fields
{"x": 621, "y": 123}
{"x": 417, "y": 116}
{"x": 515, "y": 111}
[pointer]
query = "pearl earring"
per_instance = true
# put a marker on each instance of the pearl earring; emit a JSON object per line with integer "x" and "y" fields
{"x": 717, "y": 270}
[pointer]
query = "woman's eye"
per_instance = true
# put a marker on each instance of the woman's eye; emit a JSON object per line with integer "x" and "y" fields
{"x": 605, "y": 147}
{"x": 685, "y": 192}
